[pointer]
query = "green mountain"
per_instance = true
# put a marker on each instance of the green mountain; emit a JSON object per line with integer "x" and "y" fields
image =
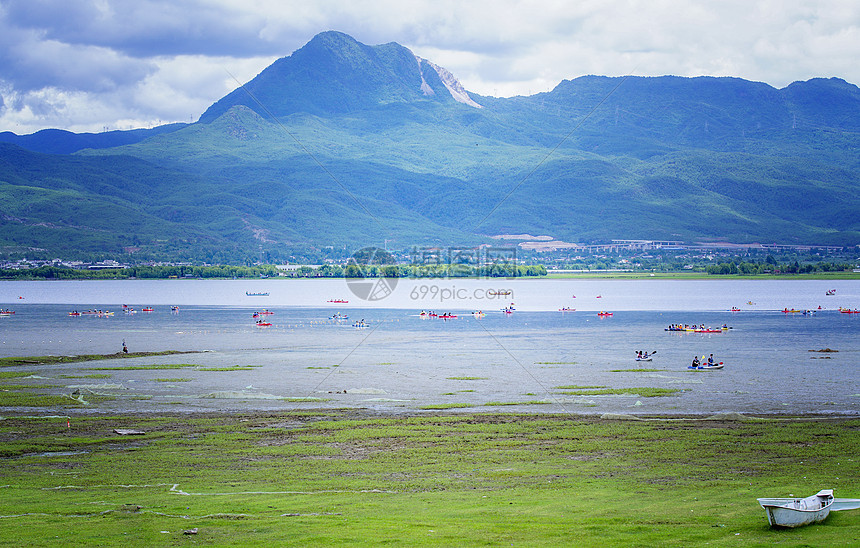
{"x": 59, "y": 141}
{"x": 345, "y": 145}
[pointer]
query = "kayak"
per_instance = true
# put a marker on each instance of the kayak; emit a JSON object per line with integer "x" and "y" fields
{"x": 263, "y": 324}
{"x": 706, "y": 367}
{"x": 604, "y": 314}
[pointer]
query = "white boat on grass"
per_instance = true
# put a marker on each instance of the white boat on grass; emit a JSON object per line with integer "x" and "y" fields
{"x": 794, "y": 512}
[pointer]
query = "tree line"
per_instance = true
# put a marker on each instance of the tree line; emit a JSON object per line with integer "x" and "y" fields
{"x": 756, "y": 268}
{"x": 502, "y": 270}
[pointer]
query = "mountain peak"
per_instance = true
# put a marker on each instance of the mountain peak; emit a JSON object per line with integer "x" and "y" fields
{"x": 335, "y": 74}
{"x": 454, "y": 87}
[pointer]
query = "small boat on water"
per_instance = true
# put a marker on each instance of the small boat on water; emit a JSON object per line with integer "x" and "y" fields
{"x": 247, "y": 294}
{"x": 604, "y": 314}
{"x": 567, "y": 309}
{"x": 496, "y": 293}
{"x": 794, "y": 512}
{"x": 831, "y": 292}
{"x": 96, "y": 313}
{"x": 697, "y": 328}
{"x": 6, "y": 312}
{"x": 705, "y": 367}
{"x": 848, "y": 311}
{"x": 147, "y": 309}
{"x": 338, "y": 301}
{"x": 263, "y": 312}
{"x": 261, "y": 323}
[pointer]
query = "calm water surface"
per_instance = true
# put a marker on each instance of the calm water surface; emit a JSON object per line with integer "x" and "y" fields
{"x": 405, "y": 362}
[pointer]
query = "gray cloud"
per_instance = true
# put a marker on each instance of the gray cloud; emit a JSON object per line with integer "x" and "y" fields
{"x": 145, "y": 28}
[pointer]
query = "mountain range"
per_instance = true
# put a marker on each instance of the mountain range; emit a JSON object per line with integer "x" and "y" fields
{"x": 343, "y": 144}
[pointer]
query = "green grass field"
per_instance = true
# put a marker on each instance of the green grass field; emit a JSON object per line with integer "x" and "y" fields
{"x": 355, "y": 478}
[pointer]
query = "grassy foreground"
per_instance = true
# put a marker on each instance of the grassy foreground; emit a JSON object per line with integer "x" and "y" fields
{"x": 351, "y": 478}
{"x": 51, "y": 360}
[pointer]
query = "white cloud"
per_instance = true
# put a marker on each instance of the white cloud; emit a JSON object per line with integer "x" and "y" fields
{"x": 96, "y": 63}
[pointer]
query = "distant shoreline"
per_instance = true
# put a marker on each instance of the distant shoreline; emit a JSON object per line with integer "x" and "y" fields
{"x": 702, "y": 276}
{"x": 595, "y": 274}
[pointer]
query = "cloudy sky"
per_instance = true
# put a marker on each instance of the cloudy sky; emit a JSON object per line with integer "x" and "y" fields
{"x": 90, "y": 65}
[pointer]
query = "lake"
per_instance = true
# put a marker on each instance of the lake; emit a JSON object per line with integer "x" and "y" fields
{"x": 405, "y": 362}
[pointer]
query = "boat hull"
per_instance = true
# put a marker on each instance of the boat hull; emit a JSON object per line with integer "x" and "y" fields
{"x": 787, "y": 517}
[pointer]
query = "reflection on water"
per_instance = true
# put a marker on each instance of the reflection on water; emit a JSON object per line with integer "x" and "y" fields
{"x": 403, "y": 361}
